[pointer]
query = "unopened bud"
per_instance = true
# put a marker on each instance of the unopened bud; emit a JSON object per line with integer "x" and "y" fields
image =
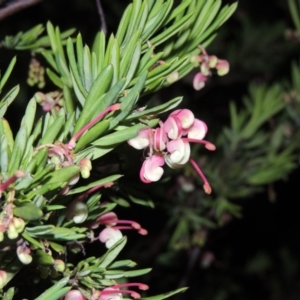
{"x": 23, "y": 255}
{"x": 85, "y": 173}
{"x": 59, "y": 265}
{"x": 12, "y": 232}
{"x": 19, "y": 224}
{"x": 3, "y": 279}
{"x": 74, "y": 180}
{"x": 172, "y": 77}
{"x": 77, "y": 211}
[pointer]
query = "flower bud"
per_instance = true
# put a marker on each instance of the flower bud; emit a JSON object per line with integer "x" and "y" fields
{"x": 19, "y": 224}
{"x": 74, "y": 180}
{"x": 12, "y": 232}
{"x": 3, "y": 279}
{"x": 24, "y": 255}
{"x": 59, "y": 265}
{"x": 77, "y": 211}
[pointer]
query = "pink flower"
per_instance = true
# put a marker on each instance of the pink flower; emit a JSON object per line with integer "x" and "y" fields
{"x": 185, "y": 116}
{"x": 172, "y": 127}
{"x": 111, "y": 220}
{"x": 198, "y": 130}
{"x": 222, "y": 67}
{"x": 115, "y": 292}
{"x": 151, "y": 169}
{"x": 199, "y": 81}
{"x": 179, "y": 153}
{"x": 110, "y": 236}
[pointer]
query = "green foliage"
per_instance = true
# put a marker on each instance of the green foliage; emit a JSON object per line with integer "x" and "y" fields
{"x": 96, "y": 110}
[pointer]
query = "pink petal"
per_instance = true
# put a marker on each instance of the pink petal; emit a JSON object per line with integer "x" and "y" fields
{"x": 199, "y": 81}
{"x": 179, "y": 153}
{"x": 185, "y": 116}
{"x": 172, "y": 127}
{"x": 198, "y": 130}
{"x": 110, "y": 236}
{"x": 151, "y": 169}
{"x": 142, "y": 140}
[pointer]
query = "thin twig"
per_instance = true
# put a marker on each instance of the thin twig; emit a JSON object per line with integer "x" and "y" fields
{"x": 14, "y": 7}
{"x": 102, "y": 16}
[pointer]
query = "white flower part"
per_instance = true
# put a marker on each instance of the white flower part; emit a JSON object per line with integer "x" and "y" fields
{"x": 74, "y": 179}
{"x": 151, "y": 169}
{"x": 116, "y": 296}
{"x": 78, "y": 211}
{"x": 110, "y": 236}
{"x": 198, "y": 130}
{"x": 185, "y": 116}
{"x": 142, "y": 140}
{"x": 179, "y": 153}
{"x": 23, "y": 254}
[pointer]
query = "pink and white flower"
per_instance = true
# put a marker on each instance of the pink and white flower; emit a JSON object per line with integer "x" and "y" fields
{"x": 152, "y": 169}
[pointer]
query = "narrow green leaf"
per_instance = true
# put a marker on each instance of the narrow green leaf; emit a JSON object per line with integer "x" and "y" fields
{"x": 100, "y": 182}
{"x": 53, "y": 131}
{"x": 112, "y": 253}
{"x": 99, "y": 87}
{"x": 31, "y": 240}
{"x": 7, "y": 73}
{"x": 87, "y": 68}
{"x": 129, "y": 101}
{"x": 56, "y": 291}
{"x": 29, "y": 117}
{"x": 18, "y": 150}
{"x": 124, "y": 23}
{"x": 92, "y": 134}
{"x": 54, "y": 78}
{"x": 8, "y": 99}
{"x": 119, "y": 136}
{"x": 135, "y": 273}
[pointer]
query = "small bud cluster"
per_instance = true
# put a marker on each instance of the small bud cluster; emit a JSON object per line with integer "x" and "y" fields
{"x": 49, "y": 101}
{"x": 36, "y": 74}
{"x": 207, "y": 64}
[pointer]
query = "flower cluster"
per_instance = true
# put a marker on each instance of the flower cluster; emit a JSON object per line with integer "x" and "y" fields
{"x": 208, "y": 63}
{"x": 112, "y": 233}
{"x": 170, "y": 144}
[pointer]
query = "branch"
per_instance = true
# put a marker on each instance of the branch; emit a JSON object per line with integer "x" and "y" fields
{"x": 14, "y": 7}
{"x": 102, "y": 16}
